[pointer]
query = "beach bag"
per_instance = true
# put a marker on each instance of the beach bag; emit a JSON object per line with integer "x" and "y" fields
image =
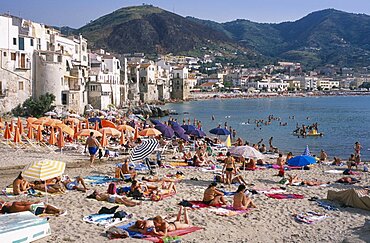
{"x": 116, "y": 233}
{"x": 112, "y": 188}
{"x": 120, "y": 215}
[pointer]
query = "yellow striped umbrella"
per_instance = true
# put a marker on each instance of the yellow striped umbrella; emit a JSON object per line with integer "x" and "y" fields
{"x": 44, "y": 169}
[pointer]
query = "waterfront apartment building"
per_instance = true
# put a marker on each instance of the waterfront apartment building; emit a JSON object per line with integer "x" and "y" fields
{"x": 36, "y": 59}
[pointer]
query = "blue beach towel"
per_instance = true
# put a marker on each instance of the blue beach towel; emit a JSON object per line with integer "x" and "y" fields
{"x": 99, "y": 180}
{"x": 327, "y": 206}
{"x": 133, "y": 234}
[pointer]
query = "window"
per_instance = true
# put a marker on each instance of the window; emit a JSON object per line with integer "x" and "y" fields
{"x": 20, "y": 85}
{"x": 14, "y": 41}
{"x": 12, "y": 56}
{"x": 178, "y": 75}
{"x": 21, "y": 43}
{"x": 5, "y": 54}
{"x": 85, "y": 59}
{"x": 31, "y": 42}
{"x": 64, "y": 98}
{"x": 38, "y": 43}
{"x": 61, "y": 81}
{"x": 83, "y": 48}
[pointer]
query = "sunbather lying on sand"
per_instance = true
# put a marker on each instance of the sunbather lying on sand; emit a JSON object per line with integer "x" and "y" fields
{"x": 143, "y": 226}
{"x": 161, "y": 227}
{"x": 56, "y": 187}
{"x": 212, "y": 196}
{"x": 294, "y": 180}
{"x": 74, "y": 185}
{"x": 102, "y": 196}
{"x": 240, "y": 200}
{"x": 348, "y": 180}
{"x": 157, "y": 179}
{"x": 34, "y": 207}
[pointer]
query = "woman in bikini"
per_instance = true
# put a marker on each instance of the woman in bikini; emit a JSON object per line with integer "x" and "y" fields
{"x": 229, "y": 167}
{"x": 212, "y": 196}
{"x": 161, "y": 227}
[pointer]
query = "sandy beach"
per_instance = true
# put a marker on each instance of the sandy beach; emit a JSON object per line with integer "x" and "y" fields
{"x": 272, "y": 220}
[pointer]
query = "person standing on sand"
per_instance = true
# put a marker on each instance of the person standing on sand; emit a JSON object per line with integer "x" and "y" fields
{"x": 357, "y": 148}
{"x": 323, "y": 156}
{"x": 229, "y": 168}
{"x": 93, "y": 145}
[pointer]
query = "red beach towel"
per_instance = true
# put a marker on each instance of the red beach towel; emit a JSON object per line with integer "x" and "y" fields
{"x": 285, "y": 196}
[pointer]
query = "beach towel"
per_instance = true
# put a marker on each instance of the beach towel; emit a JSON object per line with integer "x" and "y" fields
{"x": 334, "y": 171}
{"x": 310, "y": 217}
{"x": 327, "y": 205}
{"x": 228, "y": 194}
{"x": 285, "y": 196}
{"x": 105, "y": 220}
{"x": 268, "y": 191}
{"x": 227, "y": 211}
{"x": 99, "y": 179}
{"x": 201, "y": 204}
{"x": 178, "y": 164}
{"x": 276, "y": 167}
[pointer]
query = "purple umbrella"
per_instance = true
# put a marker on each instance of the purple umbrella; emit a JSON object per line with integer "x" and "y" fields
{"x": 188, "y": 128}
{"x": 197, "y": 133}
{"x": 178, "y": 129}
{"x": 155, "y": 122}
{"x": 165, "y": 130}
{"x": 219, "y": 131}
{"x": 183, "y": 136}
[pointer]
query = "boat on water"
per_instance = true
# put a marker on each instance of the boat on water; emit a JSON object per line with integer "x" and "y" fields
{"x": 311, "y": 133}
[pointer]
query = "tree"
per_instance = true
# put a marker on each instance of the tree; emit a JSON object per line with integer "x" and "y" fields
{"x": 35, "y": 107}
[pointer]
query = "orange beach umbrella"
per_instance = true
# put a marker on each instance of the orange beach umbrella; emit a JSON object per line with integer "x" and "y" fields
{"x": 52, "y": 139}
{"x": 11, "y": 126}
{"x": 17, "y": 136}
{"x": 7, "y": 134}
{"x": 110, "y": 131}
{"x": 20, "y": 125}
{"x": 149, "y": 132}
{"x": 66, "y": 129}
{"x": 86, "y": 133}
{"x": 106, "y": 123}
{"x": 96, "y": 126}
{"x": 122, "y": 140}
{"x": 30, "y": 132}
{"x": 1, "y": 125}
{"x": 104, "y": 141}
{"x": 126, "y": 128}
{"x": 60, "y": 139}
{"x": 136, "y": 134}
{"x": 39, "y": 134}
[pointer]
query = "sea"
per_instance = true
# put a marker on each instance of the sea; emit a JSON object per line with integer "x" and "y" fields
{"x": 343, "y": 120}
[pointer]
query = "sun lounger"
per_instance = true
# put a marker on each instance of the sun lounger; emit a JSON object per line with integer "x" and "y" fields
{"x": 22, "y": 227}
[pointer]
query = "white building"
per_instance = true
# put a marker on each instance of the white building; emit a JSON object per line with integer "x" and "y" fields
{"x": 327, "y": 84}
{"x": 104, "y": 85}
{"x": 269, "y": 85}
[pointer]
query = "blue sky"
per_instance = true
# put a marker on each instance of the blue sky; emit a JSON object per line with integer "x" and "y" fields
{"x": 76, "y": 13}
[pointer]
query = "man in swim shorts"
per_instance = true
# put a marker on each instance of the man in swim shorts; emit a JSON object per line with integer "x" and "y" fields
{"x": 93, "y": 145}
{"x": 74, "y": 185}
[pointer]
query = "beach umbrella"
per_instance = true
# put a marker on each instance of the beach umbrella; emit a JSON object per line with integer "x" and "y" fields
{"x": 306, "y": 151}
{"x": 20, "y": 125}
{"x": 188, "y": 128}
{"x": 17, "y": 136}
{"x": 126, "y": 128}
{"x": 30, "y": 132}
{"x": 39, "y": 134}
{"x": 31, "y": 120}
{"x": 52, "y": 138}
{"x": 50, "y": 113}
{"x": 61, "y": 142}
{"x": 94, "y": 119}
{"x": 1, "y": 125}
{"x": 72, "y": 120}
{"x": 86, "y": 133}
{"x": 53, "y": 122}
{"x": 41, "y": 120}
{"x": 301, "y": 160}
{"x": 155, "y": 122}
{"x": 106, "y": 123}
{"x": 110, "y": 131}
{"x": 80, "y": 125}
{"x": 219, "y": 131}
{"x": 76, "y": 131}
{"x": 96, "y": 126}
{"x": 178, "y": 129}
{"x": 228, "y": 141}
{"x": 197, "y": 133}
{"x": 136, "y": 134}
{"x": 122, "y": 141}
{"x": 183, "y": 136}
{"x": 87, "y": 124}
{"x": 72, "y": 126}
{"x": 143, "y": 150}
{"x": 246, "y": 152}
{"x": 11, "y": 126}
{"x": 166, "y": 131}
{"x": 66, "y": 129}
{"x": 7, "y": 133}
{"x": 174, "y": 124}
{"x": 150, "y": 132}
{"x": 44, "y": 170}
{"x": 104, "y": 140}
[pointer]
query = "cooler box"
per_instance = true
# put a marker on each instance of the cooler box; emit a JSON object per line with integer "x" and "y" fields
{"x": 22, "y": 227}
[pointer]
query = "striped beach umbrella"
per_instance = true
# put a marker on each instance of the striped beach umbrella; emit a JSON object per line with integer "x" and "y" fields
{"x": 44, "y": 169}
{"x": 143, "y": 150}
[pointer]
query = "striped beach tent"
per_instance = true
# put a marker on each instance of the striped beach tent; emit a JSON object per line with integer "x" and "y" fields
{"x": 143, "y": 150}
{"x": 44, "y": 169}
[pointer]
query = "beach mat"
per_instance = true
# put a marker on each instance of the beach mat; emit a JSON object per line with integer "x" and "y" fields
{"x": 99, "y": 179}
{"x": 284, "y": 196}
{"x": 228, "y": 211}
{"x": 310, "y": 217}
{"x": 105, "y": 220}
{"x": 178, "y": 164}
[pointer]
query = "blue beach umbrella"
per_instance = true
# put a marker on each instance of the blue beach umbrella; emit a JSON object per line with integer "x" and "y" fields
{"x": 307, "y": 151}
{"x": 197, "y": 133}
{"x": 179, "y": 129}
{"x": 94, "y": 119}
{"x": 301, "y": 160}
{"x": 183, "y": 136}
{"x": 166, "y": 131}
{"x": 188, "y": 128}
{"x": 155, "y": 122}
{"x": 219, "y": 131}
